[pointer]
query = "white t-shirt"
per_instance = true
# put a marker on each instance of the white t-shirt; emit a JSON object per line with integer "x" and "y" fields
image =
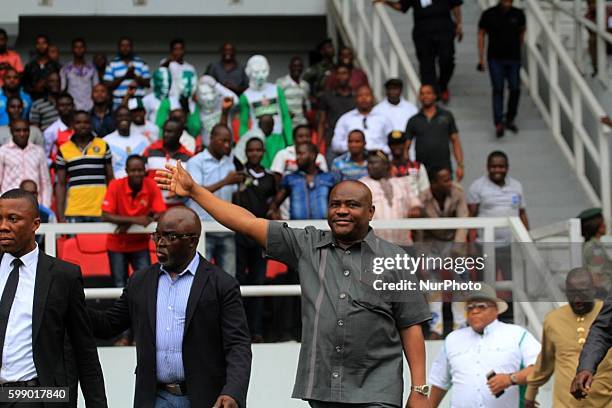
{"x": 151, "y": 104}
{"x": 176, "y": 73}
{"x": 399, "y": 115}
{"x": 124, "y": 146}
{"x": 496, "y": 201}
{"x": 148, "y": 130}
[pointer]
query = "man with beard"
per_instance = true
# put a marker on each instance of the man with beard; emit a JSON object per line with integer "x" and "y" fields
{"x": 342, "y": 316}
{"x": 564, "y": 334}
{"x": 102, "y": 119}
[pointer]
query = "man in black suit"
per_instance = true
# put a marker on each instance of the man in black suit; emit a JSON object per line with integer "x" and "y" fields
{"x": 42, "y": 299}
{"x": 597, "y": 345}
{"x": 192, "y": 340}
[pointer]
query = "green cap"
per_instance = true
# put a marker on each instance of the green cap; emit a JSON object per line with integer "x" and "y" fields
{"x": 590, "y": 213}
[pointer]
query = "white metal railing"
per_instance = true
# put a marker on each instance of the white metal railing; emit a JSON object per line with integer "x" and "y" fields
{"x": 576, "y": 10}
{"x": 569, "y": 232}
{"x": 368, "y": 29}
{"x": 566, "y": 102}
{"x": 527, "y": 262}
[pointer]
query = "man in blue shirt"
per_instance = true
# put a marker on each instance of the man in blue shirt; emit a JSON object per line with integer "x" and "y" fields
{"x": 214, "y": 169}
{"x": 353, "y": 164}
{"x": 308, "y": 188}
{"x": 12, "y": 87}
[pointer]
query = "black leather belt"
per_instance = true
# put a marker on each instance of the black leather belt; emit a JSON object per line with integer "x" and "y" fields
{"x": 20, "y": 384}
{"x": 178, "y": 389}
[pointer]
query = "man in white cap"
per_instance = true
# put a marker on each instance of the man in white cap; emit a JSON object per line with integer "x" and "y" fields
{"x": 486, "y": 360}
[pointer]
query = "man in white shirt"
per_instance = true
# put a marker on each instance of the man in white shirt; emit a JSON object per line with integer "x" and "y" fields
{"x": 498, "y": 195}
{"x": 397, "y": 109}
{"x": 123, "y": 142}
{"x": 374, "y": 125}
{"x": 140, "y": 125}
{"x": 65, "y": 108}
{"x": 176, "y": 64}
{"x": 485, "y": 361}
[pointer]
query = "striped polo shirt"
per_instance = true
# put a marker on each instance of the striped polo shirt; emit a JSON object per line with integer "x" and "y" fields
{"x": 117, "y": 69}
{"x": 43, "y": 113}
{"x": 86, "y": 170}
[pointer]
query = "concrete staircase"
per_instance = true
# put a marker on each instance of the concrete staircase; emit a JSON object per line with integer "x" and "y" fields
{"x": 552, "y": 190}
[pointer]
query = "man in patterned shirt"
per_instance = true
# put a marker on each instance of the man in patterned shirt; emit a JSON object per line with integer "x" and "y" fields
{"x": 296, "y": 92}
{"x": 124, "y": 69}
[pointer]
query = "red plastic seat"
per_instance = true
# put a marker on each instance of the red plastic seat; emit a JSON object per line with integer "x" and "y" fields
{"x": 89, "y": 252}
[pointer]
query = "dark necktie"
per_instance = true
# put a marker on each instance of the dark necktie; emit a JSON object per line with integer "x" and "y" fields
{"x": 8, "y": 296}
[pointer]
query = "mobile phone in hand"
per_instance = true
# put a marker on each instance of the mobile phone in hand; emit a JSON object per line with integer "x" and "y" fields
{"x": 490, "y": 375}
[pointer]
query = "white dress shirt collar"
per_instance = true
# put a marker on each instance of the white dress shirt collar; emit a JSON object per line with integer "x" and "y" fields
{"x": 29, "y": 260}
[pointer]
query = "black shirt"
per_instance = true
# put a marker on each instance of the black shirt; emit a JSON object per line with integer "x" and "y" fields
{"x": 435, "y": 17}
{"x": 33, "y": 72}
{"x": 255, "y": 194}
{"x": 335, "y": 105}
{"x": 432, "y": 137}
{"x": 504, "y": 30}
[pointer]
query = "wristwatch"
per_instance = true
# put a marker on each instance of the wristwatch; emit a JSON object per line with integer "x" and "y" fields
{"x": 513, "y": 379}
{"x": 422, "y": 389}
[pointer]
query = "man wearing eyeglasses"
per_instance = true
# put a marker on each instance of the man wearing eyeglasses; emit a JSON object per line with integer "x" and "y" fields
{"x": 485, "y": 361}
{"x": 192, "y": 340}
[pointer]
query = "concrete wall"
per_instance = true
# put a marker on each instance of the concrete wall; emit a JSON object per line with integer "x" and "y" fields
{"x": 278, "y": 38}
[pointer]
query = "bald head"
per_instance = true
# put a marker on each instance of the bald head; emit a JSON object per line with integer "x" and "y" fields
{"x": 182, "y": 219}
{"x": 353, "y": 188}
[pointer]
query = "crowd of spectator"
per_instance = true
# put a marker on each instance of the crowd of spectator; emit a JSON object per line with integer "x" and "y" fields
{"x": 89, "y": 138}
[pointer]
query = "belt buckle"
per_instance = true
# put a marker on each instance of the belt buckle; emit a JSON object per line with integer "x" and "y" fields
{"x": 174, "y": 389}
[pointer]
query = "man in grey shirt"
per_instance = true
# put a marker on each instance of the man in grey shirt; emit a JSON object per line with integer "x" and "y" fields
{"x": 352, "y": 336}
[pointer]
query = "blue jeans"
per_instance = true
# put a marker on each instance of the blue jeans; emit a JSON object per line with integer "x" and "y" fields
{"x": 222, "y": 247}
{"x": 501, "y": 71}
{"x": 119, "y": 262}
{"x": 166, "y": 400}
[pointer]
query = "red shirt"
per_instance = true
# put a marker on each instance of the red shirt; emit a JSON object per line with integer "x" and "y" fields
{"x": 119, "y": 201}
{"x": 14, "y": 60}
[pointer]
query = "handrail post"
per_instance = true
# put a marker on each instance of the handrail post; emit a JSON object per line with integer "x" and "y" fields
{"x": 553, "y": 100}
{"x": 531, "y": 59}
{"x": 376, "y": 44}
{"x": 602, "y": 56}
{"x": 488, "y": 246}
{"x": 577, "y": 121}
{"x": 575, "y": 242}
{"x": 578, "y": 47}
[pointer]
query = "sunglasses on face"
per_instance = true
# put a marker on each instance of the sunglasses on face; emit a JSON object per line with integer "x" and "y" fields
{"x": 477, "y": 306}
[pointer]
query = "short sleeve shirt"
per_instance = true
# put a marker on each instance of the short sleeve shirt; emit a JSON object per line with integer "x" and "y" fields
{"x": 467, "y": 357}
{"x": 497, "y": 201}
{"x": 504, "y": 31}
{"x": 120, "y": 200}
{"x": 351, "y": 349}
{"x": 432, "y": 137}
{"x": 431, "y": 15}
{"x": 117, "y": 68}
{"x": 86, "y": 171}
